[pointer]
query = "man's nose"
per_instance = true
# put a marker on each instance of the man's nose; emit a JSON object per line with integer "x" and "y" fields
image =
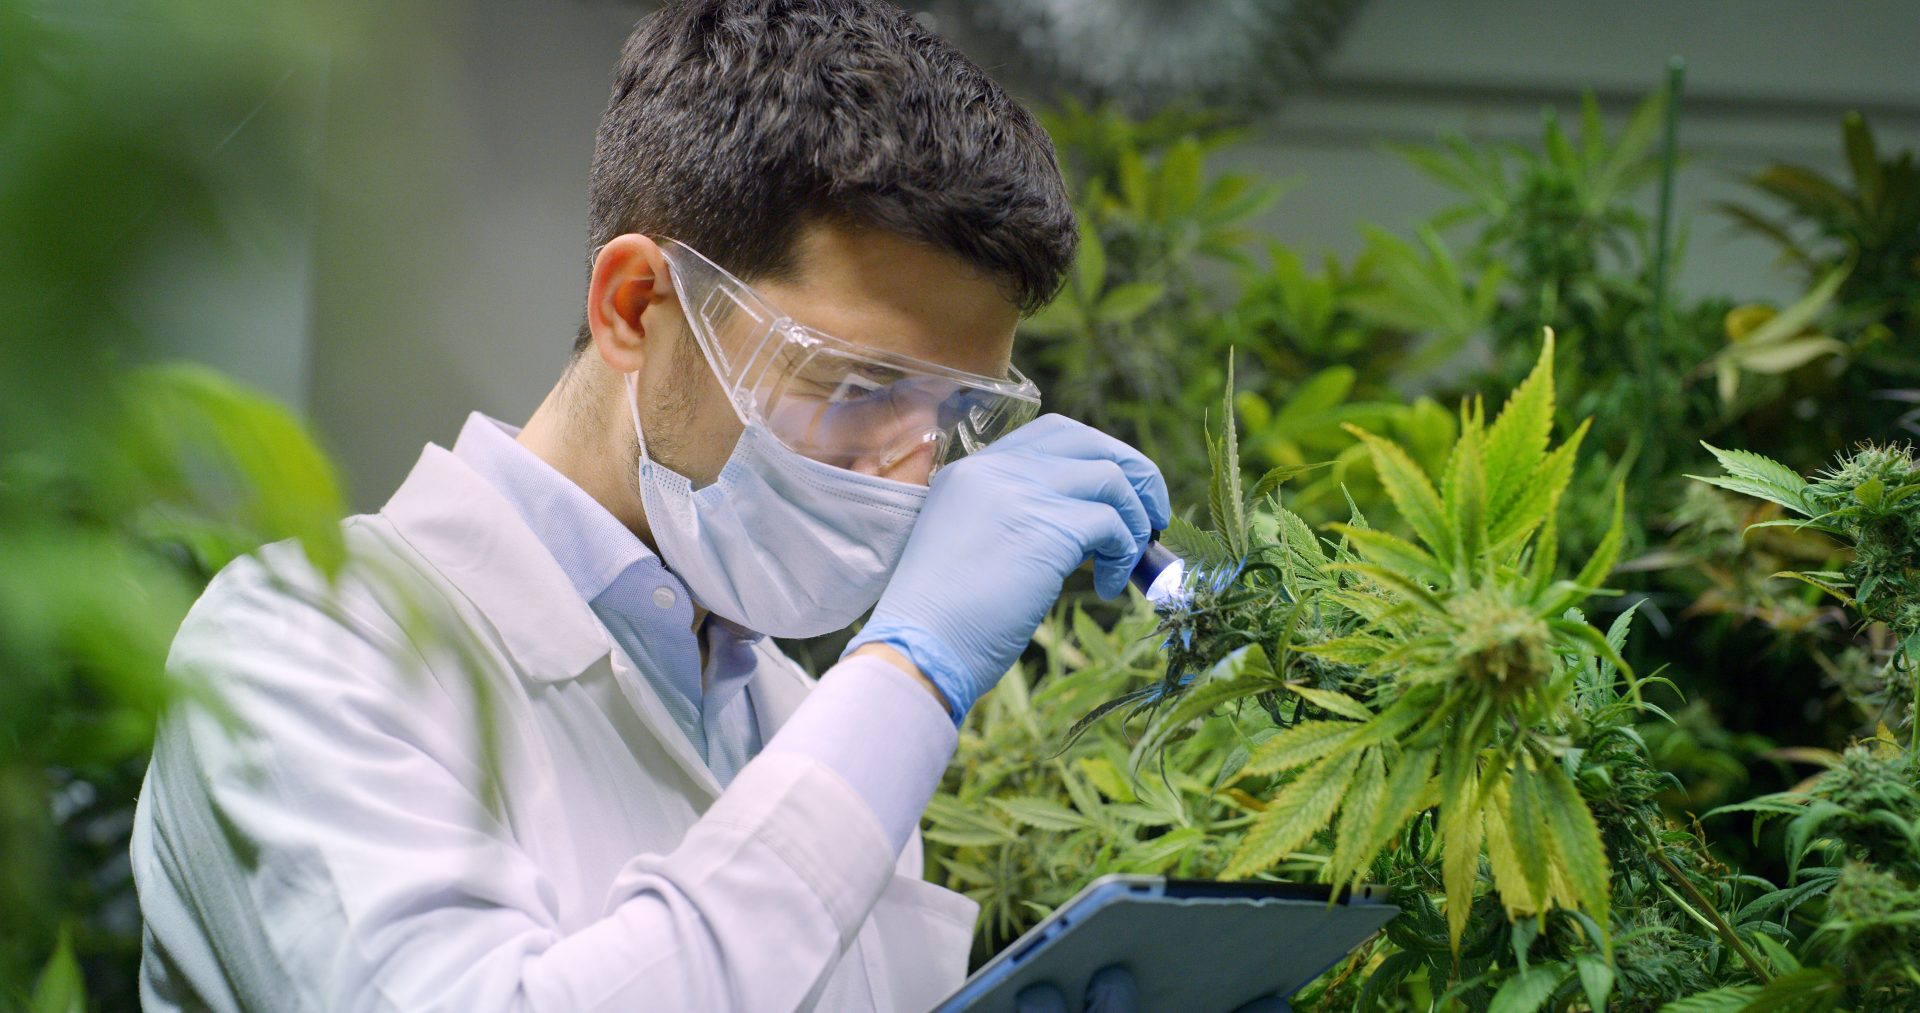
{"x": 908, "y": 461}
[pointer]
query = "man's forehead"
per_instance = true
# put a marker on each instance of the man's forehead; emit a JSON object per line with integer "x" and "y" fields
{"x": 891, "y": 293}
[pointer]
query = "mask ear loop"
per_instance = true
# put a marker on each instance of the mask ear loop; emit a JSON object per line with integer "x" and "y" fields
{"x": 632, "y": 382}
{"x": 663, "y": 282}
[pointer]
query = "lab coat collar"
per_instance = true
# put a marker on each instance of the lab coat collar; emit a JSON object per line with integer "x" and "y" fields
{"x": 454, "y": 518}
{"x": 468, "y": 531}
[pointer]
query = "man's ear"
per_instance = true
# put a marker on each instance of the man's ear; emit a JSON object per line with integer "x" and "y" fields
{"x": 628, "y": 280}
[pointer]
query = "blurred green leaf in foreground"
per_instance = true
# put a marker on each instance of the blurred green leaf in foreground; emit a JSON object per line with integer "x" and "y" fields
{"x": 124, "y": 481}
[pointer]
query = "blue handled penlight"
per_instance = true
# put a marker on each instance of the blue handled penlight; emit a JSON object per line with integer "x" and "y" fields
{"x": 1159, "y": 572}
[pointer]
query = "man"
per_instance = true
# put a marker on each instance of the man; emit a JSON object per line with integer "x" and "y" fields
{"x": 814, "y": 228}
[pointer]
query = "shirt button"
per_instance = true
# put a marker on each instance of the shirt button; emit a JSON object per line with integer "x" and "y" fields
{"x": 664, "y": 597}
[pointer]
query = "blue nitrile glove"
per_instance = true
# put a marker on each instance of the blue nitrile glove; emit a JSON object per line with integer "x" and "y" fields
{"x": 999, "y": 533}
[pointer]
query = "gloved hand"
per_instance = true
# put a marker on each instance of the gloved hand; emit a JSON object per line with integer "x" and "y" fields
{"x": 997, "y": 536}
{"x": 1113, "y": 990}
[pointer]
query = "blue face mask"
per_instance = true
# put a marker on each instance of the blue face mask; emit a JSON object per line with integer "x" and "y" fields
{"x": 779, "y": 543}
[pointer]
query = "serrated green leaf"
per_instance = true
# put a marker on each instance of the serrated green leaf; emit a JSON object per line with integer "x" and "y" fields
{"x": 1578, "y": 630}
{"x": 1527, "y": 830}
{"x": 1411, "y": 490}
{"x": 1528, "y": 990}
{"x": 1276, "y": 477}
{"x": 1041, "y": 814}
{"x": 1352, "y": 649}
{"x": 1465, "y": 496}
{"x": 1538, "y": 494}
{"x": 1517, "y": 440}
{"x": 1394, "y": 580}
{"x": 1462, "y": 829}
{"x": 1357, "y": 815}
{"x": 1392, "y": 552}
{"x": 1332, "y": 702}
{"x": 1400, "y": 799}
{"x": 1297, "y": 746}
{"x": 1202, "y": 550}
{"x": 1300, "y": 810}
{"x": 1576, "y": 838}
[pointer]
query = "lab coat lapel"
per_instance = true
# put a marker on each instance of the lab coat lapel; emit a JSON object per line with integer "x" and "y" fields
{"x": 467, "y": 531}
{"x": 461, "y": 525}
{"x": 778, "y": 687}
{"x": 646, "y": 702}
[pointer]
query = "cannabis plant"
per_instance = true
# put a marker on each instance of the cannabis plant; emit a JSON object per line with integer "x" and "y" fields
{"x": 1457, "y": 692}
{"x": 1408, "y": 675}
{"x": 1019, "y": 821}
{"x": 1852, "y": 835}
{"x": 1866, "y": 501}
{"x": 1106, "y": 350}
{"x": 1870, "y": 223}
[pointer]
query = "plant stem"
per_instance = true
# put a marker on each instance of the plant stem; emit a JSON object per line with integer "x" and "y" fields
{"x": 1706, "y": 907}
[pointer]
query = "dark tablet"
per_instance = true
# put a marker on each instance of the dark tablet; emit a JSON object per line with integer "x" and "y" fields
{"x": 1191, "y": 944}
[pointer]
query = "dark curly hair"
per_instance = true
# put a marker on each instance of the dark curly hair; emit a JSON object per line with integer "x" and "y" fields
{"x": 734, "y": 123}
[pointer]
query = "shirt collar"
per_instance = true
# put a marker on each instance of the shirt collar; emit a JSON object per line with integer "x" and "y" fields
{"x": 470, "y": 534}
{"x": 590, "y": 544}
{"x": 593, "y": 548}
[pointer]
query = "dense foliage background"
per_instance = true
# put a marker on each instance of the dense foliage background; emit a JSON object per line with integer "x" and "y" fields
{"x": 1624, "y": 720}
{"x": 1403, "y": 498}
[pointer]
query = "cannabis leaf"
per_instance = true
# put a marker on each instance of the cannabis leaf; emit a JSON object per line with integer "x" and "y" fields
{"x": 1461, "y": 682}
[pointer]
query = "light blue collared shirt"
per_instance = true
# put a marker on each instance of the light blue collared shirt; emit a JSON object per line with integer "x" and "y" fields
{"x": 643, "y": 605}
{"x": 868, "y": 723}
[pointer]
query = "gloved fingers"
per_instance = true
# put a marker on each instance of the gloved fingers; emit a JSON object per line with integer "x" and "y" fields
{"x": 1107, "y": 539}
{"x": 1113, "y": 990}
{"x": 1071, "y": 439}
{"x": 1103, "y": 482}
{"x": 1043, "y": 997}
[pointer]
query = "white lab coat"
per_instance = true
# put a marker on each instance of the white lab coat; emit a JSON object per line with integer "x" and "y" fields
{"x": 330, "y": 850}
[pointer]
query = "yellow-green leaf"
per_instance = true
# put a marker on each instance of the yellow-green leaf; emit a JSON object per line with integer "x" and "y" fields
{"x": 1509, "y": 875}
{"x": 1392, "y": 552}
{"x": 1461, "y": 830}
{"x": 1301, "y": 809}
{"x": 1357, "y": 814}
{"x": 1465, "y": 496}
{"x": 1297, "y": 746}
{"x": 1352, "y": 649}
{"x": 1333, "y": 702}
{"x": 1527, "y": 829}
{"x": 1404, "y": 794}
{"x": 1106, "y": 777}
{"x": 1519, "y": 435}
{"x": 1577, "y": 840}
{"x": 1410, "y": 489}
{"x": 1538, "y": 496}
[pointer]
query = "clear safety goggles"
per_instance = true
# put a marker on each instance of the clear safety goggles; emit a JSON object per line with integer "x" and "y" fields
{"x": 848, "y": 405}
